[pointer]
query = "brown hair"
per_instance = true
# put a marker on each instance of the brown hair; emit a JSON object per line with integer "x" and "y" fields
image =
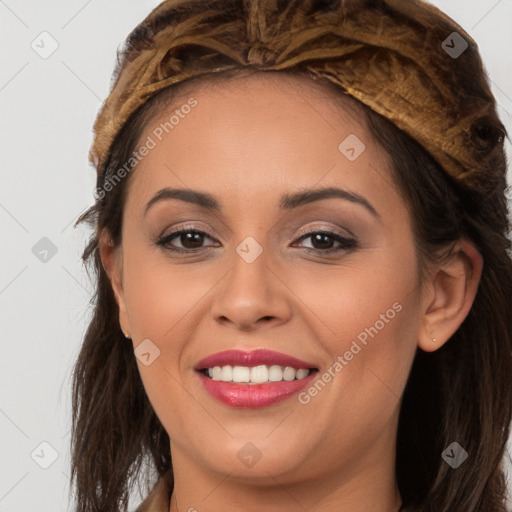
{"x": 460, "y": 392}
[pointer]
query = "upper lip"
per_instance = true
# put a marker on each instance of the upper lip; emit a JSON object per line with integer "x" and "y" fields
{"x": 251, "y": 358}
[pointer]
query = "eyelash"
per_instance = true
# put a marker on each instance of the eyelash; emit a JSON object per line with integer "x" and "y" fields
{"x": 347, "y": 243}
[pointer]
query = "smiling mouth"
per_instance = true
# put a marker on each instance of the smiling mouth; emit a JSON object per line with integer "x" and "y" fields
{"x": 252, "y": 375}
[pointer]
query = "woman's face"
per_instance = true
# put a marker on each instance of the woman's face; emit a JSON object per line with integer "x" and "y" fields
{"x": 262, "y": 150}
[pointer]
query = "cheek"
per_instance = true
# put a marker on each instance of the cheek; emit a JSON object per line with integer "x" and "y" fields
{"x": 165, "y": 304}
{"x": 358, "y": 394}
{"x": 160, "y": 296}
{"x": 369, "y": 321}
{"x": 371, "y": 298}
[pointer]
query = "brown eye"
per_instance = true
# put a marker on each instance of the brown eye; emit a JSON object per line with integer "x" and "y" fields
{"x": 190, "y": 240}
{"x": 322, "y": 241}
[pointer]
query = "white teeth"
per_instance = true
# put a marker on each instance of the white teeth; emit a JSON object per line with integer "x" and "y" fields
{"x": 300, "y": 374}
{"x": 241, "y": 374}
{"x": 259, "y": 374}
{"x": 256, "y": 374}
{"x": 275, "y": 373}
{"x": 226, "y": 374}
{"x": 289, "y": 373}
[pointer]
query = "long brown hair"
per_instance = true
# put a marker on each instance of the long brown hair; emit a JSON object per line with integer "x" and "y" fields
{"x": 460, "y": 392}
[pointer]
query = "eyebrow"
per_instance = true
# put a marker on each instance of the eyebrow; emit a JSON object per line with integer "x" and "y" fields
{"x": 287, "y": 202}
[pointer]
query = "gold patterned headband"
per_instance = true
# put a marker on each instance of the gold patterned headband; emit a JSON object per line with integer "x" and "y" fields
{"x": 406, "y": 60}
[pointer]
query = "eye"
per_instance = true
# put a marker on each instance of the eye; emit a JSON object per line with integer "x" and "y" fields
{"x": 191, "y": 239}
{"x": 320, "y": 239}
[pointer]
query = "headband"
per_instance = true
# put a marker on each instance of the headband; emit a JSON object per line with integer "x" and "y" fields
{"x": 406, "y": 60}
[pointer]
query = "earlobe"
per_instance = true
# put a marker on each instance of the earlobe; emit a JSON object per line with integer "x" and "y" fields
{"x": 112, "y": 263}
{"x": 451, "y": 291}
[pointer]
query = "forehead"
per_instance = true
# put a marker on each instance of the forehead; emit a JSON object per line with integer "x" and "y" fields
{"x": 253, "y": 132}
{"x": 259, "y": 86}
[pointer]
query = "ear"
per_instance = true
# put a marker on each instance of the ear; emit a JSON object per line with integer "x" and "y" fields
{"x": 451, "y": 290}
{"x": 112, "y": 261}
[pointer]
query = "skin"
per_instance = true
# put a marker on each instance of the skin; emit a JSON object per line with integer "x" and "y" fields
{"x": 247, "y": 142}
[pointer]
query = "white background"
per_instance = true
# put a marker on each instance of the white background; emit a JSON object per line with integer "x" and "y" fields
{"x": 47, "y": 108}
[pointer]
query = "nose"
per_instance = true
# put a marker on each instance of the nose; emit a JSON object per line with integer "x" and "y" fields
{"x": 252, "y": 296}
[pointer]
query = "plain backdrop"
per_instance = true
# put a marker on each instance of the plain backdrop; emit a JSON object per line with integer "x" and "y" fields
{"x": 48, "y": 104}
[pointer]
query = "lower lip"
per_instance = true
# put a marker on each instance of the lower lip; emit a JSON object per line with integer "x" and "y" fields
{"x": 251, "y": 396}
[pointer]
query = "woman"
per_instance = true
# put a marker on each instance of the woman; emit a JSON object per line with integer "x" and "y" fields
{"x": 303, "y": 276}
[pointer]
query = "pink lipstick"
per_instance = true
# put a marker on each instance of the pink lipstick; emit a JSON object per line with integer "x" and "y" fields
{"x": 257, "y": 378}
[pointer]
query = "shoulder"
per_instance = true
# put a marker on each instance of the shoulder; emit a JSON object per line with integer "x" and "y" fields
{"x": 159, "y": 499}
